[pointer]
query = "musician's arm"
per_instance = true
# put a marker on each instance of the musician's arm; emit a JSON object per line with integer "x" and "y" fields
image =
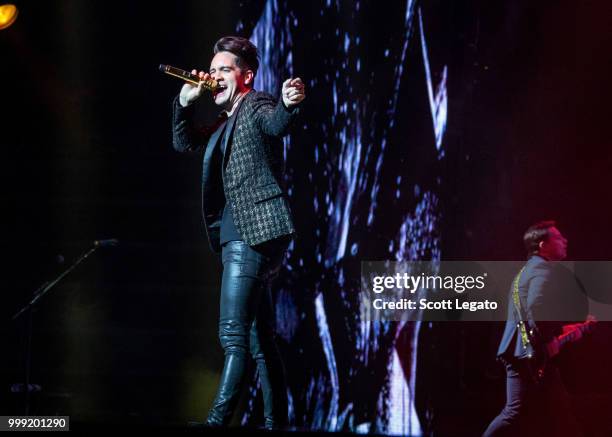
{"x": 580, "y": 326}
{"x": 571, "y": 327}
{"x": 575, "y": 331}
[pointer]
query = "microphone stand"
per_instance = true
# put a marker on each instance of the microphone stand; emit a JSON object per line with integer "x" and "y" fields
{"x": 29, "y": 309}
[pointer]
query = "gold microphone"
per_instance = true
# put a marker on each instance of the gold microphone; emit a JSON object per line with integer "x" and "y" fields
{"x": 193, "y": 79}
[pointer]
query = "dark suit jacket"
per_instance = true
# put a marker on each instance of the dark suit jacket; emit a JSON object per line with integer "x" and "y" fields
{"x": 250, "y": 171}
{"x": 550, "y": 296}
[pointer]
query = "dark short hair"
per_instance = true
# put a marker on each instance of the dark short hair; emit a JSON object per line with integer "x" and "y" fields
{"x": 535, "y": 234}
{"x": 245, "y": 51}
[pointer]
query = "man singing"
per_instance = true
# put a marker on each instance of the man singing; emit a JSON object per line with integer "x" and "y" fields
{"x": 246, "y": 214}
{"x": 542, "y": 296}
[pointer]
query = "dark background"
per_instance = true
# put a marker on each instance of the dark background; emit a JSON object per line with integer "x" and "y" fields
{"x": 131, "y": 335}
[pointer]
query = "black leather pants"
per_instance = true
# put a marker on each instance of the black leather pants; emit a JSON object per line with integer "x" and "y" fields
{"x": 245, "y": 325}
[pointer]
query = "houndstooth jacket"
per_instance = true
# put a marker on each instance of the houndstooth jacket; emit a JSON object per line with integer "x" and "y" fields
{"x": 251, "y": 168}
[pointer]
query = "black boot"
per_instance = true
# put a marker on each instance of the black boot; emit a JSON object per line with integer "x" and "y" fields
{"x": 227, "y": 397}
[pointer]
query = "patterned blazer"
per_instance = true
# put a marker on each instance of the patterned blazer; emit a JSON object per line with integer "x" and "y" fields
{"x": 251, "y": 168}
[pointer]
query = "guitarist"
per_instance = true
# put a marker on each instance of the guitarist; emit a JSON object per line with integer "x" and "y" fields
{"x": 545, "y": 292}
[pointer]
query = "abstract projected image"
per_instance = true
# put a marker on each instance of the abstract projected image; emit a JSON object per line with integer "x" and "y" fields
{"x": 356, "y": 174}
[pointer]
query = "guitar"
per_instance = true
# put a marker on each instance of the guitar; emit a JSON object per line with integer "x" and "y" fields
{"x": 571, "y": 333}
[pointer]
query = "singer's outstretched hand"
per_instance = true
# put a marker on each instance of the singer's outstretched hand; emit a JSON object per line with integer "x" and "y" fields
{"x": 293, "y": 92}
{"x": 190, "y": 93}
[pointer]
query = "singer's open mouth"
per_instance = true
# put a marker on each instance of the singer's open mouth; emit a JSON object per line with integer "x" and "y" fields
{"x": 220, "y": 88}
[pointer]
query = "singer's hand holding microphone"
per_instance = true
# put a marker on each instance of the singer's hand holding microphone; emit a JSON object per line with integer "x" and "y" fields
{"x": 190, "y": 93}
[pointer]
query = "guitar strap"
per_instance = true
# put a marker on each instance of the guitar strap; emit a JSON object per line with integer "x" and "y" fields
{"x": 526, "y": 334}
